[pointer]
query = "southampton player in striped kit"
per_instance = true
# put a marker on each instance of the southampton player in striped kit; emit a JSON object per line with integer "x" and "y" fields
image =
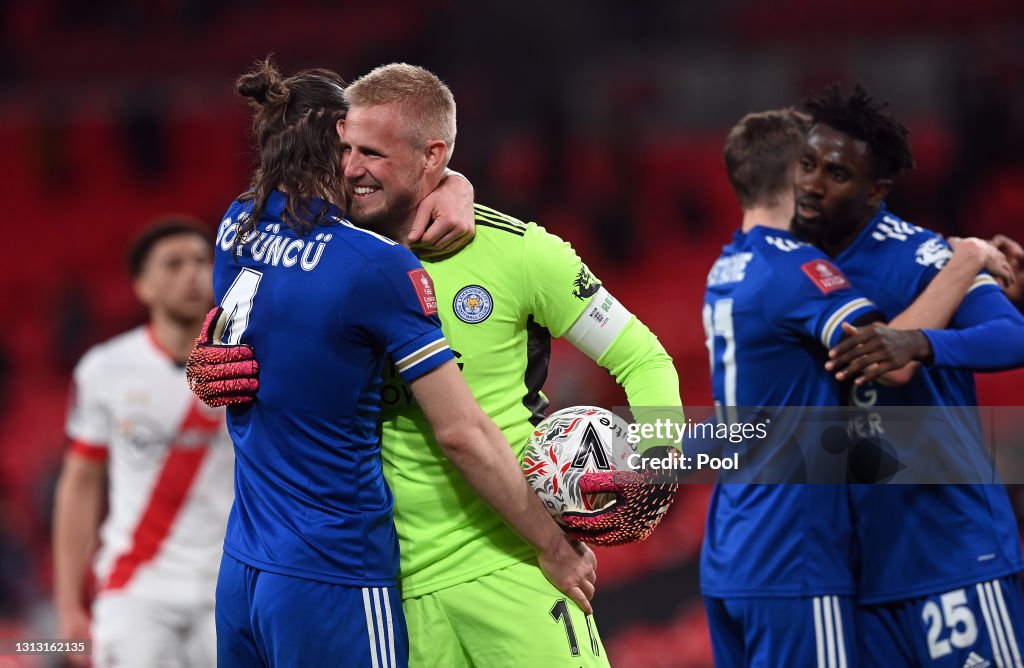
{"x": 133, "y": 423}
{"x": 776, "y": 569}
{"x": 940, "y": 564}
{"x": 472, "y": 589}
{"x": 309, "y": 574}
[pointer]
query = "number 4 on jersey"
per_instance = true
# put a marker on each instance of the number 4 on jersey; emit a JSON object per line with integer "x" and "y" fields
{"x": 237, "y": 304}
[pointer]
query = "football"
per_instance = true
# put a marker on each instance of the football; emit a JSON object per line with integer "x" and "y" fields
{"x": 568, "y": 444}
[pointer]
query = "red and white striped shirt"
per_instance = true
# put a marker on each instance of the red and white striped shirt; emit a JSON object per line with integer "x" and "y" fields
{"x": 170, "y": 466}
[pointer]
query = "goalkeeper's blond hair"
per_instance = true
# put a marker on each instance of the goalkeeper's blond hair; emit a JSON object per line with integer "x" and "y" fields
{"x": 422, "y": 96}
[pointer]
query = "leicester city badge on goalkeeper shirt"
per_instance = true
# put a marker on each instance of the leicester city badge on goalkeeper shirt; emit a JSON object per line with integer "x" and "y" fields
{"x": 473, "y": 304}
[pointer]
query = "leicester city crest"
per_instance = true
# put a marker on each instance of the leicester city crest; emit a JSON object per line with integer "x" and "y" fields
{"x": 472, "y": 304}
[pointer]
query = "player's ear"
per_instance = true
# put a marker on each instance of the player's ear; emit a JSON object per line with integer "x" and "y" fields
{"x": 878, "y": 191}
{"x": 435, "y": 156}
{"x": 339, "y": 127}
{"x": 144, "y": 292}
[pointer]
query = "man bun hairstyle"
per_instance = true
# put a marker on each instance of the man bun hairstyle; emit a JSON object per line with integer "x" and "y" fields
{"x": 293, "y": 127}
{"x": 263, "y": 85}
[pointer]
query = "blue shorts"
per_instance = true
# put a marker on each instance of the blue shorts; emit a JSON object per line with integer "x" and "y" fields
{"x": 266, "y": 619}
{"x": 767, "y": 632}
{"x": 980, "y": 625}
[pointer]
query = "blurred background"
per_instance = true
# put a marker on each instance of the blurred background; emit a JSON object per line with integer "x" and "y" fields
{"x": 602, "y": 121}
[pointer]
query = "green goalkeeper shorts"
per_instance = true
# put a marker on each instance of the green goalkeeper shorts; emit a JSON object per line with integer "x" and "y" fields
{"x": 512, "y": 617}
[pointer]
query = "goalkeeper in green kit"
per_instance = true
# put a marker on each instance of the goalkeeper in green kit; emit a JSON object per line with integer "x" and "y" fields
{"x": 472, "y": 590}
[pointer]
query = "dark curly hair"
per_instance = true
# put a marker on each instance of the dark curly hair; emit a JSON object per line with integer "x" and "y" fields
{"x": 299, "y": 150}
{"x": 172, "y": 225}
{"x": 862, "y": 117}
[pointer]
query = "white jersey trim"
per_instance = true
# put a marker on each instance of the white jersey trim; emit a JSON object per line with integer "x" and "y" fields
{"x": 346, "y": 223}
{"x": 980, "y": 280}
{"x": 421, "y": 354}
{"x": 842, "y": 313}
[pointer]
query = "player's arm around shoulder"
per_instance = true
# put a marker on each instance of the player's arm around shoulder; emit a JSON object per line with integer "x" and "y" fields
{"x": 959, "y": 274}
{"x": 844, "y": 316}
{"x": 476, "y": 447}
{"x": 891, "y": 354}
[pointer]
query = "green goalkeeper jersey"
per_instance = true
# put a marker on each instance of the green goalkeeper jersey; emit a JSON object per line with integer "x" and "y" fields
{"x": 501, "y": 299}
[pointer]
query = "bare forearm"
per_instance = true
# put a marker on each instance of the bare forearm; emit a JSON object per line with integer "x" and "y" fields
{"x": 480, "y": 452}
{"x": 495, "y": 475}
{"x": 77, "y": 509}
{"x": 934, "y": 308}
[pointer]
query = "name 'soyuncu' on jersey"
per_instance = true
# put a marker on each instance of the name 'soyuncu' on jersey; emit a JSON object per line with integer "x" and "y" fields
{"x": 272, "y": 248}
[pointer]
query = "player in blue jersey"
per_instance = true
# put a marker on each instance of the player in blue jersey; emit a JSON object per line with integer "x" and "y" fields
{"x": 767, "y": 585}
{"x": 776, "y": 565}
{"x": 311, "y": 556}
{"x": 939, "y": 564}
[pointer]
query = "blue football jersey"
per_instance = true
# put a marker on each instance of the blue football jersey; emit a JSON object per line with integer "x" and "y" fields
{"x": 920, "y": 539}
{"x": 323, "y": 312}
{"x": 773, "y": 307}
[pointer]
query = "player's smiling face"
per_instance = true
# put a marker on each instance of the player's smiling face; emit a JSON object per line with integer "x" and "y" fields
{"x": 383, "y": 170}
{"x": 835, "y": 190}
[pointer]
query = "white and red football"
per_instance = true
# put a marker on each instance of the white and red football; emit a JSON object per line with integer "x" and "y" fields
{"x": 567, "y": 444}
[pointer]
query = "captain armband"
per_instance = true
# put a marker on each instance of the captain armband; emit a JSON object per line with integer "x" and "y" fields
{"x": 599, "y": 325}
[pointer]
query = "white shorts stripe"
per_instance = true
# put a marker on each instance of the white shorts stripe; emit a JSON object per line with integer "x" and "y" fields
{"x": 840, "y": 636}
{"x": 990, "y": 601}
{"x": 1007, "y": 623}
{"x": 830, "y": 636}
{"x": 983, "y": 604}
{"x": 391, "y": 627}
{"x": 368, "y": 610}
{"x": 819, "y": 641}
{"x": 381, "y": 639}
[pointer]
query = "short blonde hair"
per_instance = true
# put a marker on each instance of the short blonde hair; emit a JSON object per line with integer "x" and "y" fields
{"x": 420, "y": 94}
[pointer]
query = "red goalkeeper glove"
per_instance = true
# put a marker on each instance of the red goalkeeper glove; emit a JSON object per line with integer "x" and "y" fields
{"x": 220, "y": 374}
{"x": 641, "y": 501}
